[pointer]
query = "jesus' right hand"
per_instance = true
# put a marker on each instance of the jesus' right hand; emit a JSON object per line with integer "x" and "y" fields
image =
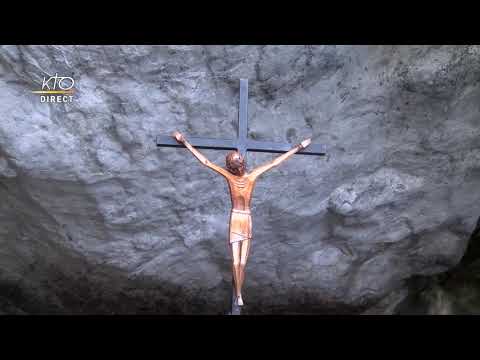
{"x": 305, "y": 143}
{"x": 179, "y": 137}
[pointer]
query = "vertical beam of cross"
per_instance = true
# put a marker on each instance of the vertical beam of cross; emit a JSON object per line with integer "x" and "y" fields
{"x": 243, "y": 118}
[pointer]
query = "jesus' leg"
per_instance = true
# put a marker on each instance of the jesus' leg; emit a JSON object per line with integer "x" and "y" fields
{"x": 236, "y": 251}
{"x": 244, "y": 251}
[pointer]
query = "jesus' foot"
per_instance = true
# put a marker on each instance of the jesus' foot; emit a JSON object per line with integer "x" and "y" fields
{"x": 239, "y": 301}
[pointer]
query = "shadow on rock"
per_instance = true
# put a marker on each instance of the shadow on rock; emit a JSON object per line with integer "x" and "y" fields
{"x": 455, "y": 292}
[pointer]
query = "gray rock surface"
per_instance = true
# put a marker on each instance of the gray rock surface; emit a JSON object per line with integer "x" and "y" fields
{"x": 96, "y": 219}
{"x": 454, "y": 292}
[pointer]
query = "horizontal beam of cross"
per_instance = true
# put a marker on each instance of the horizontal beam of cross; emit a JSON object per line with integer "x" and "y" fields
{"x": 251, "y": 145}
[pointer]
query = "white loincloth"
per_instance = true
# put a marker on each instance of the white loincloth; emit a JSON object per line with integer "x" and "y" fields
{"x": 240, "y": 225}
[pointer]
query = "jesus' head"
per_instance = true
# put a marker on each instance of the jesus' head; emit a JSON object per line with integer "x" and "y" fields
{"x": 235, "y": 163}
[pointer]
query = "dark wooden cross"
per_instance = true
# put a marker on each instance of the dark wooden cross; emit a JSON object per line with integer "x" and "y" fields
{"x": 242, "y": 143}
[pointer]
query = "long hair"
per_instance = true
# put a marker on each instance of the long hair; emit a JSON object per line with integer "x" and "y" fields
{"x": 235, "y": 163}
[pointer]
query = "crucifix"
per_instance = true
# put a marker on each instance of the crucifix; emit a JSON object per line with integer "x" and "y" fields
{"x": 240, "y": 182}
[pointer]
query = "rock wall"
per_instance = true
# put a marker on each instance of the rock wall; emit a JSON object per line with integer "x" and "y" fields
{"x": 96, "y": 219}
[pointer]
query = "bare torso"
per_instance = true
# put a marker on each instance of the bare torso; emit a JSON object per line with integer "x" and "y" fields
{"x": 241, "y": 190}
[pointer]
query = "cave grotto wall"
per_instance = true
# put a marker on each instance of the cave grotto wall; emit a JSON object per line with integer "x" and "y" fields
{"x": 95, "y": 219}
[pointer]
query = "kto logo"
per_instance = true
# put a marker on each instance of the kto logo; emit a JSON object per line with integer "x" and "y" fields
{"x": 56, "y": 89}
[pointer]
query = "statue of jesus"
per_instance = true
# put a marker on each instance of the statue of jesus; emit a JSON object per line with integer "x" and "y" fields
{"x": 241, "y": 186}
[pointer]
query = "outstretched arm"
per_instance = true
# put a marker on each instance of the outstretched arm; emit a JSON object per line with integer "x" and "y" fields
{"x": 181, "y": 139}
{"x": 277, "y": 161}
